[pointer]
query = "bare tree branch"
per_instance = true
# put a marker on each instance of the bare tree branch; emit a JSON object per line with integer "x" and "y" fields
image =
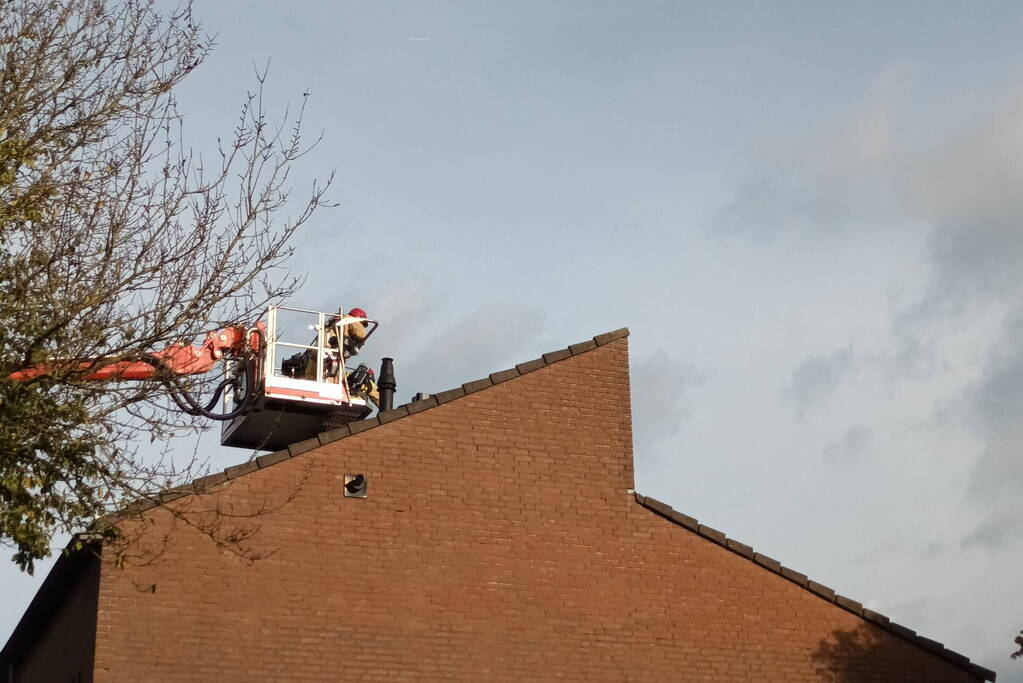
{"x": 116, "y": 240}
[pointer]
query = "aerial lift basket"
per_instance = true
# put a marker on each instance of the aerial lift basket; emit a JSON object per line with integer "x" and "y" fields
{"x": 299, "y": 387}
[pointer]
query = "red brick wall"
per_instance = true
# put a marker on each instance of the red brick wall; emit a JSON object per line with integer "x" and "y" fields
{"x": 63, "y": 651}
{"x": 499, "y": 541}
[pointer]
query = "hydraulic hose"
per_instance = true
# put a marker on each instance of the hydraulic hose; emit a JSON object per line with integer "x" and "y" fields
{"x": 187, "y": 403}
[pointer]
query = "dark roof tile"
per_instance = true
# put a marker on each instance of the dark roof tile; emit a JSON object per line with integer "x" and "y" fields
{"x": 850, "y": 604}
{"x": 956, "y": 657}
{"x": 239, "y": 470}
{"x": 530, "y": 366}
{"x": 362, "y": 425}
{"x": 477, "y": 385}
{"x": 685, "y": 520}
{"x": 392, "y": 415}
{"x": 876, "y": 617}
{"x": 333, "y": 435}
{"x": 503, "y": 375}
{"x": 609, "y": 337}
{"x": 582, "y": 347}
{"x": 712, "y": 533}
{"x": 905, "y": 632}
{"x": 978, "y": 670}
{"x": 420, "y": 406}
{"x": 449, "y": 395}
{"x": 768, "y": 562}
{"x": 133, "y": 508}
{"x": 555, "y": 356}
{"x": 794, "y": 576}
{"x": 740, "y": 548}
{"x": 821, "y": 590}
{"x": 660, "y": 507}
{"x": 170, "y": 495}
{"x": 204, "y": 483}
{"x": 303, "y": 446}
{"x": 272, "y": 458}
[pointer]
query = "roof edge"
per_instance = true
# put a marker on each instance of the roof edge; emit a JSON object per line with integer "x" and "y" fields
{"x": 818, "y": 589}
{"x": 79, "y": 551}
{"x": 205, "y": 484}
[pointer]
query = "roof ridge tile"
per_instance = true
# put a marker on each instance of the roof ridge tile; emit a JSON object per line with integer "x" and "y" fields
{"x": 503, "y": 375}
{"x": 741, "y": 548}
{"x": 334, "y": 434}
{"x": 582, "y": 347}
{"x": 978, "y": 670}
{"x": 242, "y": 468}
{"x": 853, "y": 606}
{"x": 204, "y": 483}
{"x": 792, "y": 575}
{"x": 392, "y": 415}
{"x": 685, "y": 520}
{"x": 712, "y": 534}
{"x": 477, "y": 385}
{"x": 421, "y": 405}
{"x": 611, "y": 336}
{"x": 362, "y": 425}
{"x": 530, "y": 366}
{"x": 449, "y": 395}
{"x": 273, "y": 458}
{"x": 554, "y": 356}
{"x": 876, "y": 617}
{"x": 963, "y": 661}
{"x": 821, "y": 590}
{"x": 768, "y": 562}
{"x": 301, "y": 447}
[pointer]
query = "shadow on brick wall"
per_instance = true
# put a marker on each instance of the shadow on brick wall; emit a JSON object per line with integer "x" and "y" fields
{"x": 853, "y": 656}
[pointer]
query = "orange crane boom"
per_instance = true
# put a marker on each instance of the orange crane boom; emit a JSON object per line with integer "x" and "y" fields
{"x": 177, "y": 359}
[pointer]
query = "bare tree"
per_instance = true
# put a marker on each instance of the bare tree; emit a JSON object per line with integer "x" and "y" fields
{"x": 115, "y": 241}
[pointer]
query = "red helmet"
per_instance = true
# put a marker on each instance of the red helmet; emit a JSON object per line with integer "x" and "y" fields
{"x": 357, "y": 313}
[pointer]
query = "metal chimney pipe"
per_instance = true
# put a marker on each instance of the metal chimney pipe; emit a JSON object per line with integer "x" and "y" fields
{"x": 386, "y": 384}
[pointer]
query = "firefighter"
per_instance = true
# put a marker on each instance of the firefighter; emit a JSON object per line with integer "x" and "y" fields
{"x": 353, "y": 337}
{"x": 354, "y": 333}
{"x": 362, "y": 382}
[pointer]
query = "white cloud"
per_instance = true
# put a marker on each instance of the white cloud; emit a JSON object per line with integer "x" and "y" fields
{"x": 493, "y": 337}
{"x": 850, "y": 447}
{"x": 827, "y": 180}
{"x": 661, "y": 388}
{"x": 999, "y": 530}
{"x": 817, "y": 378}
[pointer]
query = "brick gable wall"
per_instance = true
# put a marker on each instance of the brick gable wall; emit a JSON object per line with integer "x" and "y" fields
{"x": 499, "y": 540}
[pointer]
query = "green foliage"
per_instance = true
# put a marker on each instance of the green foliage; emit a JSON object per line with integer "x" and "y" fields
{"x": 115, "y": 242}
{"x": 48, "y": 467}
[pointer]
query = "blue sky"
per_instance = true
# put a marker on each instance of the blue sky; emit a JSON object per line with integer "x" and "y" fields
{"x": 806, "y": 213}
